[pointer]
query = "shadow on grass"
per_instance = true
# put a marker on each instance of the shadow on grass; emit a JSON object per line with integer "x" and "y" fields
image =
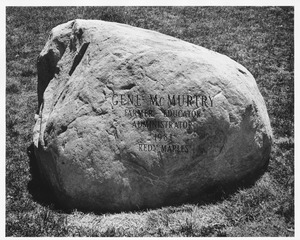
{"x": 43, "y": 194}
{"x": 220, "y": 191}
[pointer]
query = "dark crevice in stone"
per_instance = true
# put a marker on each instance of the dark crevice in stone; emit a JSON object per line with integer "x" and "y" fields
{"x": 242, "y": 71}
{"x": 110, "y": 88}
{"x": 47, "y": 68}
{"x": 62, "y": 129}
{"x": 79, "y": 33}
{"x": 128, "y": 86}
{"x": 83, "y": 99}
{"x": 49, "y": 128}
{"x": 79, "y": 57}
{"x": 99, "y": 112}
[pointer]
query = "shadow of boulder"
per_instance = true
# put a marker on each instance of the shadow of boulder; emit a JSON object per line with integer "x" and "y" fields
{"x": 39, "y": 189}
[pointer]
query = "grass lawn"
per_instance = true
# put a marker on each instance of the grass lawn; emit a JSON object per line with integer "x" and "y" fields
{"x": 260, "y": 38}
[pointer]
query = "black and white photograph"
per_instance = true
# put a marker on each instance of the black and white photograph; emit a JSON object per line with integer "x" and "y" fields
{"x": 149, "y": 121}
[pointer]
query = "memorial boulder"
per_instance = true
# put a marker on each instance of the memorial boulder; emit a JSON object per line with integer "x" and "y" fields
{"x": 130, "y": 118}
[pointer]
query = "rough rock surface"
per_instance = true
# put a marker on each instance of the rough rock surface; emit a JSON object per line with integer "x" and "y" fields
{"x": 204, "y": 122}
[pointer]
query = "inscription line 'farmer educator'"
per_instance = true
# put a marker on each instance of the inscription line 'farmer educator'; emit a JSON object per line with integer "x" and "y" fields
{"x": 130, "y": 118}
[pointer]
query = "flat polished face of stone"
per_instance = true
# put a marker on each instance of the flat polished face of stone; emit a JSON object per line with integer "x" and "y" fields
{"x": 131, "y": 118}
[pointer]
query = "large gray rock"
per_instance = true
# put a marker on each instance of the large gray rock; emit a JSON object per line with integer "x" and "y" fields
{"x": 201, "y": 122}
